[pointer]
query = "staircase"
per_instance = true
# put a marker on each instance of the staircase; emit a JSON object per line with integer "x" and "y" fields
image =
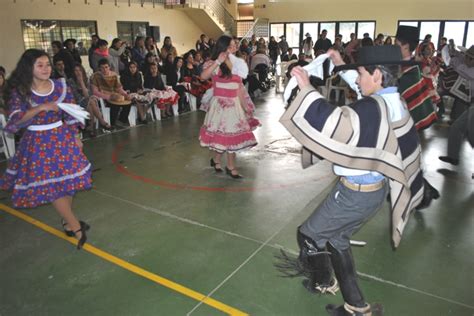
{"x": 210, "y": 15}
{"x": 260, "y": 27}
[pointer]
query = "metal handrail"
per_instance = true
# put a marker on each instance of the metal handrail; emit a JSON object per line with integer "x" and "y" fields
{"x": 254, "y": 28}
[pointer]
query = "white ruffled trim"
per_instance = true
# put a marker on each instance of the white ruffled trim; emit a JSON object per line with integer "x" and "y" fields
{"x": 54, "y": 180}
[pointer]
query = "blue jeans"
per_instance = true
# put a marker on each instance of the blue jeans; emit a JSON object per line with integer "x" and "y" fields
{"x": 342, "y": 214}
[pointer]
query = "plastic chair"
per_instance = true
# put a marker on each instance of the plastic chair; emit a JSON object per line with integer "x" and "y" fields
{"x": 105, "y": 110}
{"x": 8, "y": 139}
{"x": 338, "y": 88}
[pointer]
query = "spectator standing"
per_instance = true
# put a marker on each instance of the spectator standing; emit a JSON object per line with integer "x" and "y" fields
{"x": 202, "y": 44}
{"x": 168, "y": 48}
{"x": 59, "y": 53}
{"x": 70, "y": 45}
{"x": 307, "y": 46}
{"x": 283, "y": 45}
{"x": 94, "y": 41}
{"x": 117, "y": 48}
{"x": 139, "y": 51}
{"x": 101, "y": 52}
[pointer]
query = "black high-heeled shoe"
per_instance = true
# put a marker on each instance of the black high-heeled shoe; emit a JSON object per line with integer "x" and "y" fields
{"x": 234, "y": 176}
{"x": 214, "y": 165}
{"x": 70, "y": 233}
{"x": 83, "y": 239}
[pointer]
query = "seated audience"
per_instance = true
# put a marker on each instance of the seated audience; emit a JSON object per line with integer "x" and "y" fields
{"x": 58, "y": 69}
{"x": 106, "y": 85}
{"x": 132, "y": 82}
{"x": 80, "y": 87}
{"x": 289, "y": 56}
{"x": 175, "y": 78}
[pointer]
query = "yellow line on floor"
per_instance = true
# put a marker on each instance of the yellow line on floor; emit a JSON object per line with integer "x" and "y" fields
{"x": 128, "y": 266}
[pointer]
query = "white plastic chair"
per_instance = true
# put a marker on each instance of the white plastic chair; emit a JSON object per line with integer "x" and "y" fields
{"x": 132, "y": 116}
{"x": 341, "y": 87}
{"x": 105, "y": 110}
{"x": 280, "y": 78}
{"x": 192, "y": 101}
{"x": 8, "y": 139}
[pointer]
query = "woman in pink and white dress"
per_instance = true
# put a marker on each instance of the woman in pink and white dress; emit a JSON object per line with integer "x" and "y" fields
{"x": 228, "y": 123}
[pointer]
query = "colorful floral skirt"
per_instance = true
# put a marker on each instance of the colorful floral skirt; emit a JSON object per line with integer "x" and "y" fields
{"x": 48, "y": 165}
{"x": 226, "y": 127}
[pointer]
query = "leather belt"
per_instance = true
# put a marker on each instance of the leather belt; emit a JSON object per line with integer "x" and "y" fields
{"x": 362, "y": 187}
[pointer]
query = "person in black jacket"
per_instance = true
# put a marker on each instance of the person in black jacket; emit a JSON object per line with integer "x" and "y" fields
{"x": 70, "y": 45}
{"x": 59, "y": 53}
{"x": 174, "y": 76}
{"x": 132, "y": 82}
{"x": 153, "y": 81}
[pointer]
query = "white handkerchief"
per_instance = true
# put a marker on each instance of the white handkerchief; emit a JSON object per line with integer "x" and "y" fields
{"x": 315, "y": 68}
{"x": 75, "y": 111}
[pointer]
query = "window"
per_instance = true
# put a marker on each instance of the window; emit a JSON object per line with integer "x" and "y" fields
{"x": 277, "y": 30}
{"x": 293, "y": 36}
{"x": 295, "y": 32}
{"x": 470, "y": 35}
{"x": 40, "y": 33}
{"x": 128, "y": 31}
{"x": 430, "y": 28}
{"x": 461, "y": 32}
{"x": 455, "y": 31}
{"x": 345, "y": 29}
{"x": 365, "y": 27}
{"x": 311, "y": 28}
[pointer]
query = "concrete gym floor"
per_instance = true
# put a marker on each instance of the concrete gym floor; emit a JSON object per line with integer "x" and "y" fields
{"x": 169, "y": 236}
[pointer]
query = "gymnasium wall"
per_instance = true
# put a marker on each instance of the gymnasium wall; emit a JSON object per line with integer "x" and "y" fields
{"x": 174, "y": 23}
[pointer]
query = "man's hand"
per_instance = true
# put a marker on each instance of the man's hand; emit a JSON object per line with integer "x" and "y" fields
{"x": 335, "y": 57}
{"x": 301, "y": 76}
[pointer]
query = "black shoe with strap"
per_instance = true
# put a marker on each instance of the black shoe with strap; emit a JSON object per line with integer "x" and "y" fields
{"x": 233, "y": 175}
{"x": 82, "y": 230}
{"x": 214, "y": 165}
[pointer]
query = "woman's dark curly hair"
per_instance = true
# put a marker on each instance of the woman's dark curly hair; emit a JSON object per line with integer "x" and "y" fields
{"x": 21, "y": 78}
{"x": 221, "y": 46}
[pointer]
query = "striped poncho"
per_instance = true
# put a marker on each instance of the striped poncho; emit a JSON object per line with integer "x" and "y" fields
{"x": 417, "y": 94}
{"x": 361, "y": 136}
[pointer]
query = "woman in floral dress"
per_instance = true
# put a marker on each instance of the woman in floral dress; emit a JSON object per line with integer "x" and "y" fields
{"x": 49, "y": 166}
{"x": 226, "y": 127}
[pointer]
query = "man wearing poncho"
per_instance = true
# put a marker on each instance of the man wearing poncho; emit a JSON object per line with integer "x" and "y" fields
{"x": 375, "y": 149}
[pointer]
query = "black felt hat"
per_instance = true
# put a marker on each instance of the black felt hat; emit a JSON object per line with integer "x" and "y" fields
{"x": 409, "y": 34}
{"x": 378, "y": 55}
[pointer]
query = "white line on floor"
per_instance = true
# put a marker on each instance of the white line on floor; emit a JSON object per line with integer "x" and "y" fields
{"x": 263, "y": 244}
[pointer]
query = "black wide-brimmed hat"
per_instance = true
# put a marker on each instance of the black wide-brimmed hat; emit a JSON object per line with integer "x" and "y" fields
{"x": 409, "y": 34}
{"x": 378, "y": 55}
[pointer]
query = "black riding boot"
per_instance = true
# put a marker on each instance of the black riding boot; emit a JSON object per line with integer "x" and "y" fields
{"x": 317, "y": 265}
{"x": 344, "y": 268}
{"x": 312, "y": 263}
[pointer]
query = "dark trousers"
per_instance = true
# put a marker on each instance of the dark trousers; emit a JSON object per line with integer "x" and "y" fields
{"x": 114, "y": 113}
{"x": 182, "y": 104}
